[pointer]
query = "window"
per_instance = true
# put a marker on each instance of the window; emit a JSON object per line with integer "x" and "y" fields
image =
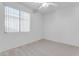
{"x": 16, "y": 20}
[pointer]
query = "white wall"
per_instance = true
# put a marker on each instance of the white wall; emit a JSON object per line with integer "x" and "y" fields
{"x": 63, "y": 25}
{"x": 12, "y": 40}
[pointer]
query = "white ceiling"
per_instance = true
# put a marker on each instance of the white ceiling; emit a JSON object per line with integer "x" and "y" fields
{"x": 35, "y": 6}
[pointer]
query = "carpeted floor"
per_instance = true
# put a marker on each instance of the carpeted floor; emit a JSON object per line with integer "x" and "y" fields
{"x": 43, "y": 48}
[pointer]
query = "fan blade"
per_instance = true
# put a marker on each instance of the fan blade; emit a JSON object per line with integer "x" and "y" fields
{"x": 44, "y": 5}
{"x": 53, "y": 4}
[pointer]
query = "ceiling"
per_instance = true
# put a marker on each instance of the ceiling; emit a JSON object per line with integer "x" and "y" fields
{"x": 35, "y": 6}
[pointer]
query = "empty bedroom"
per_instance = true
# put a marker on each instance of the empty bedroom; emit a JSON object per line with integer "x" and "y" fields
{"x": 39, "y": 28}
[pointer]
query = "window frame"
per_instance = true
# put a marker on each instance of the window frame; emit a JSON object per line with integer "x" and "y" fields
{"x": 19, "y": 20}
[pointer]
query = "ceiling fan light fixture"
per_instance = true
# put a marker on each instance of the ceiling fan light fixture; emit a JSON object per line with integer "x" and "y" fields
{"x": 46, "y": 4}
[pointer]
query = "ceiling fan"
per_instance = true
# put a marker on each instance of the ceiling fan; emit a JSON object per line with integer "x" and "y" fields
{"x": 46, "y": 4}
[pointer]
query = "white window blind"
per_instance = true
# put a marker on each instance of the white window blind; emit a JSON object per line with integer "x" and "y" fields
{"x": 24, "y": 22}
{"x": 16, "y": 20}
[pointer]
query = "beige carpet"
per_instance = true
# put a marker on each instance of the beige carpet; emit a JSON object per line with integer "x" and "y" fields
{"x": 43, "y": 48}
